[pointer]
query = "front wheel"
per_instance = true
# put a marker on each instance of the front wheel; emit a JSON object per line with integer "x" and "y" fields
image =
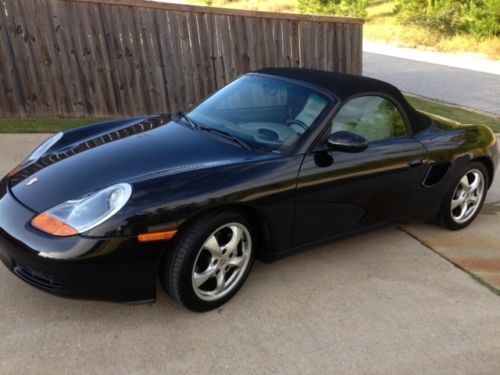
{"x": 465, "y": 198}
{"x": 209, "y": 261}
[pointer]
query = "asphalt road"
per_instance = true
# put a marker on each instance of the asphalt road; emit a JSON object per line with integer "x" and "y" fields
{"x": 466, "y": 88}
{"x": 378, "y": 303}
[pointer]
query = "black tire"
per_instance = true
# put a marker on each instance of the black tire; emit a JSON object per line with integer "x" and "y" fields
{"x": 445, "y": 215}
{"x": 176, "y": 270}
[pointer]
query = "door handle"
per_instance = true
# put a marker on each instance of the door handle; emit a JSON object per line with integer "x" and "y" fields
{"x": 416, "y": 163}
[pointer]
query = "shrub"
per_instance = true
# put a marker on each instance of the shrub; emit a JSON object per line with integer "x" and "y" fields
{"x": 480, "y": 18}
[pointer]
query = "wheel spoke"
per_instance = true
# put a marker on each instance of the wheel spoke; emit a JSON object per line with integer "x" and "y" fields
{"x": 232, "y": 245}
{"x": 463, "y": 210}
{"x": 213, "y": 246}
{"x": 237, "y": 261}
{"x": 474, "y": 199}
{"x": 475, "y": 184}
{"x": 465, "y": 182}
{"x": 221, "y": 282}
{"x": 457, "y": 202}
{"x": 200, "y": 278}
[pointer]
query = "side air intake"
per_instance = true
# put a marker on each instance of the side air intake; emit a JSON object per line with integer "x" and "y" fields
{"x": 435, "y": 173}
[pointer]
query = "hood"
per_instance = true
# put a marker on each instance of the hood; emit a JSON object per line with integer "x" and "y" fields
{"x": 88, "y": 159}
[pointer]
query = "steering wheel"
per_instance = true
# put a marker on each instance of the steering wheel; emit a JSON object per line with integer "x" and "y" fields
{"x": 303, "y": 125}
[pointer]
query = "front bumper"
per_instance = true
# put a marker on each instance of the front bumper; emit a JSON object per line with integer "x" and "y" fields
{"x": 112, "y": 269}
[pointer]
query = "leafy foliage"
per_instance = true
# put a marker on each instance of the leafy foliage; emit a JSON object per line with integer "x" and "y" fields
{"x": 477, "y": 17}
{"x": 354, "y": 8}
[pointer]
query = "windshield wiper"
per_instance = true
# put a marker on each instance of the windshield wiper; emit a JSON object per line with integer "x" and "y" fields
{"x": 182, "y": 115}
{"x": 227, "y": 135}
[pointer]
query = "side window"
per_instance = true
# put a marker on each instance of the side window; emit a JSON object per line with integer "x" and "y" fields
{"x": 372, "y": 117}
{"x": 255, "y": 96}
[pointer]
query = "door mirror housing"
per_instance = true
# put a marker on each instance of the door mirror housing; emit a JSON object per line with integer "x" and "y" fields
{"x": 346, "y": 142}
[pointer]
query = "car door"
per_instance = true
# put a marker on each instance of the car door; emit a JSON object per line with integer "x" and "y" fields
{"x": 340, "y": 192}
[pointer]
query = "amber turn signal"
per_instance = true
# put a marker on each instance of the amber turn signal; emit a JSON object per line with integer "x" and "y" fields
{"x": 53, "y": 226}
{"x": 156, "y": 236}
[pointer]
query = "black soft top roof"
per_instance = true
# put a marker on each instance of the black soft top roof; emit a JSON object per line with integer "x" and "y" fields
{"x": 345, "y": 86}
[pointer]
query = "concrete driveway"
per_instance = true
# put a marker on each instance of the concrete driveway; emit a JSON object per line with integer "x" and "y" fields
{"x": 379, "y": 303}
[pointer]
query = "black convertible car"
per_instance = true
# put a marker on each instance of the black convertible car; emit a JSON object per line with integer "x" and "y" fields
{"x": 276, "y": 160}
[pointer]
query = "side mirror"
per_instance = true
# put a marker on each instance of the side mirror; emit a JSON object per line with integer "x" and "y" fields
{"x": 346, "y": 142}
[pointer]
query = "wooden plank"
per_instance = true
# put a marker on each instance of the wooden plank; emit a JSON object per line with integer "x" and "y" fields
{"x": 283, "y": 43}
{"x": 276, "y": 44}
{"x": 62, "y": 53}
{"x": 236, "y": 46}
{"x": 94, "y": 103}
{"x": 206, "y": 71}
{"x": 61, "y": 56}
{"x": 151, "y": 61}
{"x": 10, "y": 99}
{"x": 348, "y": 47}
{"x": 260, "y": 56}
{"x": 289, "y": 42}
{"x": 199, "y": 84}
{"x": 267, "y": 42}
{"x": 358, "y": 40}
{"x": 24, "y": 75}
{"x": 216, "y": 51}
{"x": 339, "y": 50}
{"x": 161, "y": 23}
{"x": 126, "y": 61}
{"x": 325, "y": 45}
{"x": 252, "y": 42}
{"x": 81, "y": 45}
{"x": 156, "y": 85}
{"x": 186, "y": 68}
{"x": 312, "y": 43}
{"x": 176, "y": 88}
{"x": 329, "y": 46}
{"x": 38, "y": 42}
{"x": 94, "y": 62}
{"x": 102, "y": 63}
{"x": 227, "y": 50}
{"x": 296, "y": 44}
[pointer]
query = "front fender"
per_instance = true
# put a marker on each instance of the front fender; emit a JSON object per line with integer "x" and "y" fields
{"x": 164, "y": 203}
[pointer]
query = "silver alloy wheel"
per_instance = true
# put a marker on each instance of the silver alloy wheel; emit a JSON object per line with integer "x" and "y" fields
{"x": 467, "y": 197}
{"x": 221, "y": 261}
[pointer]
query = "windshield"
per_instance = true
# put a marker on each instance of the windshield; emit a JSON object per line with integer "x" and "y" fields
{"x": 268, "y": 114}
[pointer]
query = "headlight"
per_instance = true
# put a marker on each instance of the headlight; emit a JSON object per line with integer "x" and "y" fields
{"x": 42, "y": 149}
{"x": 80, "y": 215}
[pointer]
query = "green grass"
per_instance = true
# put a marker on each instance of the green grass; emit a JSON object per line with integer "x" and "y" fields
{"x": 55, "y": 124}
{"x": 42, "y": 124}
{"x": 455, "y": 113}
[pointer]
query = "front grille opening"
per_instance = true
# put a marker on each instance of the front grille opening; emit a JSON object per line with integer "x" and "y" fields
{"x": 37, "y": 278}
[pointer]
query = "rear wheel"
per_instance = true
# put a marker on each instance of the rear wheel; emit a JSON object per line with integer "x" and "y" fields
{"x": 465, "y": 198}
{"x": 209, "y": 261}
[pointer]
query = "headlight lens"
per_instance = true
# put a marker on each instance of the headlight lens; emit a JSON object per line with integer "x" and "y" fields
{"x": 80, "y": 215}
{"x": 42, "y": 149}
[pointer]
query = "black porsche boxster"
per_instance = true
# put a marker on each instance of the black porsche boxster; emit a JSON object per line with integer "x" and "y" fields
{"x": 276, "y": 160}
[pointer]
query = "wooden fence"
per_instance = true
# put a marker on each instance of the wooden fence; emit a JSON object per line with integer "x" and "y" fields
{"x": 128, "y": 57}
